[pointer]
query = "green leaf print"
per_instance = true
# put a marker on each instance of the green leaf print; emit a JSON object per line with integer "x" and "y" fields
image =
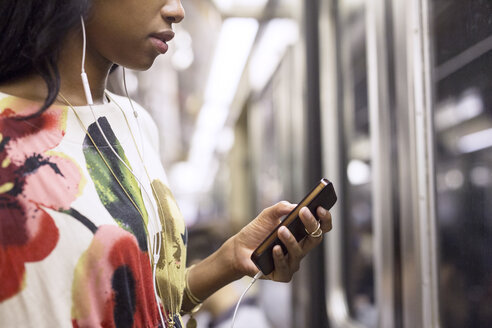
{"x": 109, "y": 190}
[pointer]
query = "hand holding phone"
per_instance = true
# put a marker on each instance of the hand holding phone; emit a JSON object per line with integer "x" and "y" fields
{"x": 322, "y": 195}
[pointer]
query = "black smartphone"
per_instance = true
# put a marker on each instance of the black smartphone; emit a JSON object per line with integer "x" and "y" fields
{"x": 323, "y": 194}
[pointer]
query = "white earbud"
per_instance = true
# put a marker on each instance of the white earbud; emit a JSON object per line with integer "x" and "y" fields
{"x": 83, "y": 75}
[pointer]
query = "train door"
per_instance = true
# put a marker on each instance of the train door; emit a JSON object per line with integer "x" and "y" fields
{"x": 351, "y": 279}
{"x": 413, "y": 82}
{"x": 461, "y": 54}
{"x": 359, "y": 145}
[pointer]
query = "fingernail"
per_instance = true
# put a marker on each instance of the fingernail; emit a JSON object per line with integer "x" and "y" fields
{"x": 278, "y": 251}
{"x": 322, "y": 211}
{"x": 284, "y": 232}
{"x": 304, "y": 211}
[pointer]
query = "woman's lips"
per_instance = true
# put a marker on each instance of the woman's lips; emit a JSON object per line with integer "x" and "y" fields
{"x": 159, "y": 40}
{"x": 159, "y": 45}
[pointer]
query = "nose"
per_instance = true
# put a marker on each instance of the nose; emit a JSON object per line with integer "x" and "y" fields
{"x": 173, "y": 11}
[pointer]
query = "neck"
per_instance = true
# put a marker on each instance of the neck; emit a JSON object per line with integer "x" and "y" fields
{"x": 97, "y": 68}
{"x": 70, "y": 65}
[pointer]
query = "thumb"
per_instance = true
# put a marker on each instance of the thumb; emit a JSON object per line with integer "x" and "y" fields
{"x": 280, "y": 209}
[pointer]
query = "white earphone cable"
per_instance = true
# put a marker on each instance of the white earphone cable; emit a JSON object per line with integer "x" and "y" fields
{"x": 255, "y": 278}
{"x": 83, "y": 75}
{"x": 156, "y": 230}
{"x": 135, "y": 113}
{"x": 84, "y": 44}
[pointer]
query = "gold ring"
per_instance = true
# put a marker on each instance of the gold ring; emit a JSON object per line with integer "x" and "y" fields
{"x": 316, "y": 233}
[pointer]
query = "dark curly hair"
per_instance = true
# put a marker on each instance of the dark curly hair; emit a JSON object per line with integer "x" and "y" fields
{"x": 31, "y": 32}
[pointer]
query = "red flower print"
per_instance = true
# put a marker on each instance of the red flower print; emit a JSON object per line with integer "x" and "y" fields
{"x": 31, "y": 180}
{"x": 113, "y": 284}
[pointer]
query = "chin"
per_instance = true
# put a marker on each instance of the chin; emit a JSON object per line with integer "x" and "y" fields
{"x": 140, "y": 64}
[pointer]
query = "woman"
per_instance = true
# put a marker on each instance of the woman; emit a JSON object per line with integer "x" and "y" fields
{"x": 90, "y": 235}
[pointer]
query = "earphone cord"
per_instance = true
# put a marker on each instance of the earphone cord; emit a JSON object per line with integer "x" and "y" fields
{"x": 255, "y": 278}
{"x": 159, "y": 204}
{"x": 84, "y": 44}
{"x": 135, "y": 114}
{"x": 83, "y": 75}
{"x": 155, "y": 255}
{"x": 155, "y": 250}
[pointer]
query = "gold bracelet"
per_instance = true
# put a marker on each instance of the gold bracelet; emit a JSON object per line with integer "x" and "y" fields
{"x": 194, "y": 300}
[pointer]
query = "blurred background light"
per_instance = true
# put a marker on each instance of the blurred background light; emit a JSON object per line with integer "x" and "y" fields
{"x": 475, "y": 141}
{"x": 277, "y": 36}
{"x": 183, "y": 55}
{"x": 232, "y": 51}
{"x": 351, "y": 5}
{"x": 358, "y": 172}
{"x": 481, "y": 176}
{"x": 454, "y": 179}
{"x": 248, "y": 7}
{"x": 452, "y": 113}
{"x": 211, "y": 135}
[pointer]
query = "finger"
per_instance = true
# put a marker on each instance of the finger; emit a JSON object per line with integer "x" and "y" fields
{"x": 310, "y": 242}
{"x": 325, "y": 219}
{"x": 278, "y": 210}
{"x": 311, "y": 225}
{"x": 282, "y": 271}
{"x": 293, "y": 248}
{"x": 308, "y": 219}
{"x": 282, "y": 208}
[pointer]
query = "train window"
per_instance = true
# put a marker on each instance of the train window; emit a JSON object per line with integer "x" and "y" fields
{"x": 462, "y": 59}
{"x": 357, "y": 208}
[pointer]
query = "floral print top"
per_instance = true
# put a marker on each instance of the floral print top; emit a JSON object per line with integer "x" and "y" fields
{"x": 73, "y": 238}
